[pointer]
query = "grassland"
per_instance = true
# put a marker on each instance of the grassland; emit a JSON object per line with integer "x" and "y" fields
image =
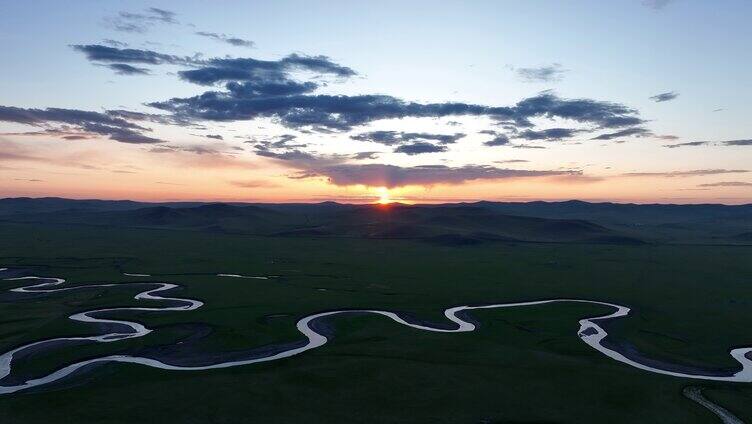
{"x": 690, "y": 304}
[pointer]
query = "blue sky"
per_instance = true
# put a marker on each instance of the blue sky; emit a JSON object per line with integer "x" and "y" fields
{"x": 478, "y": 53}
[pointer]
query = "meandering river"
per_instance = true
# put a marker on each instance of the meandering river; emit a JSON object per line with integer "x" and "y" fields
{"x": 590, "y": 332}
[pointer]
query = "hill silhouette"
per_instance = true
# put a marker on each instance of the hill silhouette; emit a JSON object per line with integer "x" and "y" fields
{"x": 452, "y": 224}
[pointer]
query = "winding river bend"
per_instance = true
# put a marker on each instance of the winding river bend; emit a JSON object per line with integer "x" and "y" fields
{"x": 589, "y": 332}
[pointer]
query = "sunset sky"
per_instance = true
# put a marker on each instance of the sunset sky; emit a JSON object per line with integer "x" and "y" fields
{"x": 629, "y": 101}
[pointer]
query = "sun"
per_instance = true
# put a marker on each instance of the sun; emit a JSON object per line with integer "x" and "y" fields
{"x": 384, "y": 198}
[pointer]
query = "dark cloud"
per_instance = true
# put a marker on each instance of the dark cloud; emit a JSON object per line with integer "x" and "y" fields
{"x": 512, "y": 161}
{"x": 691, "y": 173}
{"x": 740, "y": 142}
{"x": 239, "y": 42}
{"x": 300, "y": 159}
{"x": 727, "y": 184}
{"x": 498, "y": 139}
{"x": 594, "y": 112}
{"x": 365, "y": 155}
{"x": 116, "y": 128}
{"x": 390, "y": 138}
{"x": 141, "y": 22}
{"x": 263, "y": 72}
{"x": 100, "y": 53}
{"x": 64, "y": 133}
{"x": 420, "y": 147}
{"x": 278, "y": 144}
{"x": 284, "y": 140}
{"x": 744, "y": 142}
{"x": 664, "y": 97}
{"x": 342, "y": 112}
{"x": 149, "y": 117}
{"x": 195, "y": 149}
{"x": 125, "y": 69}
{"x": 628, "y": 132}
{"x": 214, "y": 136}
{"x": 548, "y": 134}
{"x": 265, "y": 88}
{"x": 688, "y": 144}
{"x": 550, "y": 73}
{"x": 247, "y": 89}
{"x": 527, "y": 146}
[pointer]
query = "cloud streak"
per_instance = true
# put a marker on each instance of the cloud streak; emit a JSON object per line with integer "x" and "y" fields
{"x": 687, "y": 144}
{"x": 664, "y": 97}
{"x": 690, "y": 173}
{"x": 548, "y": 134}
{"x": 550, "y": 73}
{"x": 100, "y": 53}
{"x": 628, "y": 132}
{"x": 125, "y": 69}
{"x": 737, "y": 143}
{"x": 140, "y": 22}
{"x": 224, "y": 38}
{"x": 727, "y": 184}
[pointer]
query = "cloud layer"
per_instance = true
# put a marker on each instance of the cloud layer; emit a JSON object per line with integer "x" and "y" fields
{"x": 390, "y": 176}
{"x": 86, "y": 122}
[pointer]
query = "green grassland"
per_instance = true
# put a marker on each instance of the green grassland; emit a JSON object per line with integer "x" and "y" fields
{"x": 690, "y": 305}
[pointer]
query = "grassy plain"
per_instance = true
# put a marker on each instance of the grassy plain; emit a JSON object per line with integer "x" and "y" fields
{"x": 690, "y": 305}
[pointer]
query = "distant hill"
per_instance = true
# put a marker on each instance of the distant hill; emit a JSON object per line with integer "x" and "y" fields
{"x": 18, "y": 205}
{"x": 635, "y": 214}
{"x": 453, "y": 224}
{"x": 450, "y": 224}
{"x": 208, "y": 217}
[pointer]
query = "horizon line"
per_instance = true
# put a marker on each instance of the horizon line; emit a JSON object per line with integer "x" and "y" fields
{"x": 375, "y": 201}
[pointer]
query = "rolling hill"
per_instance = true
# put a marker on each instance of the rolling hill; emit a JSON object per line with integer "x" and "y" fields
{"x": 454, "y": 224}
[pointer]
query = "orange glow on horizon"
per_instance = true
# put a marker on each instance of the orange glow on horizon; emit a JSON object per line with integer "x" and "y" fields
{"x": 384, "y": 198}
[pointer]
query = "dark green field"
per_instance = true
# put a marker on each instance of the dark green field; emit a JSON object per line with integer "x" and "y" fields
{"x": 690, "y": 305}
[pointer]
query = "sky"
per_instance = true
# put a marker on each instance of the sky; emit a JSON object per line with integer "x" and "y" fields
{"x": 418, "y": 102}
